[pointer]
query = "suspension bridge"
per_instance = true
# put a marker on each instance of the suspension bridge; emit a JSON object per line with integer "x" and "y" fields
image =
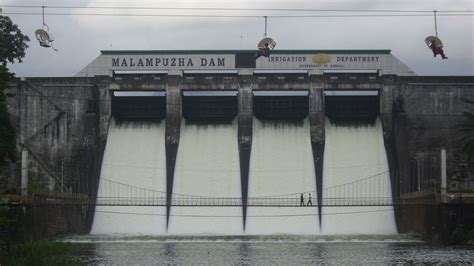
{"x": 374, "y": 190}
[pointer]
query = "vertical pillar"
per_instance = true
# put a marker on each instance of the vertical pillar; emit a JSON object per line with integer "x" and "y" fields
{"x": 444, "y": 181}
{"x": 245, "y": 119}
{"x": 317, "y": 125}
{"x": 391, "y": 110}
{"x": 418, "y": 174}
{"x": 101, "y": 99}
{"x": 173, "y": 126}
{"x": 388, "y": 115}
{"x": 24, "y": 172}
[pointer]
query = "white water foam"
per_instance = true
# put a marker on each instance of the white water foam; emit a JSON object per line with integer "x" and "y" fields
{"x": 281, "y": 162}
{"x": 134, "y": 155}
{"x": 355, "y": 153}
{"x": 207, "y": 165}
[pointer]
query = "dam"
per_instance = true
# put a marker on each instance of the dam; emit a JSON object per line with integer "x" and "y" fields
{"x": 280, "y": 164}
{"x": 232, "y": 148}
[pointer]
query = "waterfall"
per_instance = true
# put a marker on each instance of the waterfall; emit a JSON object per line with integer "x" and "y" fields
{"x": 281, "y": 163}
{"x": 356, "y": 154}
{"x": 134, "y": 157}
{"x": 207, "y": 165}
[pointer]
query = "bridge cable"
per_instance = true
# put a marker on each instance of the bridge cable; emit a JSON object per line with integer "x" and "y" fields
{"x": 239, "y": 216}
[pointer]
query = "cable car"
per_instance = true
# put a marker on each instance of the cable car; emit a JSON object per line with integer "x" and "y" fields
{"x": 266, "y": 45}
{"x": 434, "y": 43}
{"x": 43, "y": 36}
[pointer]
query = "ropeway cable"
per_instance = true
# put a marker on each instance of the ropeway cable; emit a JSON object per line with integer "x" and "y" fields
{"x": 238, "y": 9}
{"x": 235, "y": 16}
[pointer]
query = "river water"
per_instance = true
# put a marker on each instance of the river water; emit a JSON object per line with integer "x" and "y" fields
{"x": 267, "y": 251}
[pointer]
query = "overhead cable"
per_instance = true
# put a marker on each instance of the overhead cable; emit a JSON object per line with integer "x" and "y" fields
{"x": 234, "y": 16}
{"x": 237, "y": 9}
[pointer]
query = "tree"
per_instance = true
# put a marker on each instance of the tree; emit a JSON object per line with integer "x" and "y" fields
{"x": 13, "y": 45}
{"x": 467, "y": 130}
{"x": 13, "y": 42}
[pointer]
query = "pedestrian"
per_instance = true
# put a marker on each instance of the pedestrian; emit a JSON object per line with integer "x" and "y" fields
{"x": 301, "y": 200}
{"x": 310, "y": 203}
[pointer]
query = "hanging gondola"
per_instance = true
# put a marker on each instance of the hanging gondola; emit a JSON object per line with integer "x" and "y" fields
{"x": 43, "y": 36}
{"x": 434, "y": 43}
{"x": 266, "y": 45}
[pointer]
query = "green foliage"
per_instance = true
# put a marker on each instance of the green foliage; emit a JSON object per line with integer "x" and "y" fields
{"x": 13, "y": 42}
{"x": 43, "y": 253}
{"x": 458, "y": 236}
{"x": 470, "y": 235}
{"x": 7, "y": 132}
{"x": 35, "y": 187}
{"x": 467, "y": 130}
{"x": 12, "y": 47}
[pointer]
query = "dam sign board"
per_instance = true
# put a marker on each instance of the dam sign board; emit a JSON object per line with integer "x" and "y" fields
{"x": 326, "y": 61}
{"x": 311, "y": 60}
{"x": 171, "y": 62}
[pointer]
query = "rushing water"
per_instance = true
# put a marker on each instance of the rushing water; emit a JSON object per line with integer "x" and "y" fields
{"x": 281, "y": 163}
{"x": 276, "y": 251}
{"x": 355, "y": 154}
{"x": 135, "y": 156}
{"x": 207, "y": 165}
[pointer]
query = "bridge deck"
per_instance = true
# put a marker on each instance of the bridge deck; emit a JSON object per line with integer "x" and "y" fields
{"x": 212, "y": 201}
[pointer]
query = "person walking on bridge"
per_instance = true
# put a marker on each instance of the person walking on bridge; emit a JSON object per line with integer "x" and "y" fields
{"x": 310, "y": 203}
{"x": 301, "y": 200}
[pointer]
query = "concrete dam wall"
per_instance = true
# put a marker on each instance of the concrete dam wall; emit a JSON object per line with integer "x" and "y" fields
{"x": 65, "y": 123}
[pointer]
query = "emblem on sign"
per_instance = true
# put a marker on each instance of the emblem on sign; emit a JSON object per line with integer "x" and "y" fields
{"x": 322, "y": 58}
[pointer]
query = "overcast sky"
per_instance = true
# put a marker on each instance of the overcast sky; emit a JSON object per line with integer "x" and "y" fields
{"x": 80, "y": 38}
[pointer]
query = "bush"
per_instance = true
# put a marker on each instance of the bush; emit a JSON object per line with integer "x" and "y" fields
{"x": 470, "y": 236}
{"x": 458, "y": 236}
{"x": 42, "y": 253}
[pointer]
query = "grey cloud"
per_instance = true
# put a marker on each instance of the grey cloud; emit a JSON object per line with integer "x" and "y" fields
{"x": 80, "y": 39}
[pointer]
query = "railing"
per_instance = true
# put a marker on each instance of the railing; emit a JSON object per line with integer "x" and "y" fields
{"x": 373, "y": 190}
{"x": 233, "y": 202}
{"x": 216, "y": 201}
